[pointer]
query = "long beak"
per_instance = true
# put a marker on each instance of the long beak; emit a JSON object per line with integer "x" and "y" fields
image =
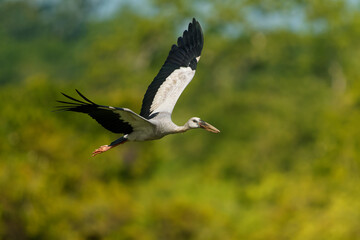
{"x": 208, "y": 127}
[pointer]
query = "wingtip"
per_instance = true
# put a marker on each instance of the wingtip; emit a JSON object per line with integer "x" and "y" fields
{"x": 85, "y": 98}
{"x": 195, "y": 22}
{"x": 65, "y": 95}
{"x": 192, "y": 24}
{"x": 195, "y": 25}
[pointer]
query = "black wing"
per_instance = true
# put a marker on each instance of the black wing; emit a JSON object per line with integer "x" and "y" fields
{"x": 184, "y": 54}
{"x": 108, "y": 117}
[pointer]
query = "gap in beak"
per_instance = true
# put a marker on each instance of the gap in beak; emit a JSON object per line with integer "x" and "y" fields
{"x": 208, "y": 127}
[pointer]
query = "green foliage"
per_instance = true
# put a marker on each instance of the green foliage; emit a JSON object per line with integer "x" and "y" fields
{"x": 285, "y": 165}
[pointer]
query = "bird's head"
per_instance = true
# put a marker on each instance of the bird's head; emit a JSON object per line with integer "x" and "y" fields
{"x": 196, "y": 122}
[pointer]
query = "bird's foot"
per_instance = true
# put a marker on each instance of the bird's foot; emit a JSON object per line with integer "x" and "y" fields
{"x": 101, "y": 149}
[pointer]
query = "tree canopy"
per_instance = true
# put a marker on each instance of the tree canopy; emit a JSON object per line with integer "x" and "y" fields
{"x": 280, "y": 79}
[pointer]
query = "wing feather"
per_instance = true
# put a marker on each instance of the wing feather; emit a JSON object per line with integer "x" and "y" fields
{"x": 176, "y": 73}
{"x": 116, "y": 120}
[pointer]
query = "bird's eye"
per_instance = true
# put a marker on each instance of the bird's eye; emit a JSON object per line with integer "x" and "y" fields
{"x": 194, "y": 120}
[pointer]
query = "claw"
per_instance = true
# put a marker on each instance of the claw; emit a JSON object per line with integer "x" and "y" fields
{"x": 101, "y": 149}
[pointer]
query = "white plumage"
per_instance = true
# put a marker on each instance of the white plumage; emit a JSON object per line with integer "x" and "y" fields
{"x": 170, "y": 91}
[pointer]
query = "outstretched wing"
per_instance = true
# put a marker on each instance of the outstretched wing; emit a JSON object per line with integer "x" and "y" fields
{"x": 116, "y": 120}
{"x": 176, "y": 73}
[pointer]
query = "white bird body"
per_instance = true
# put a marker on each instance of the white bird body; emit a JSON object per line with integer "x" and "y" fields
{"x": 154, "y": 121}
{"x": 155, "y": 128}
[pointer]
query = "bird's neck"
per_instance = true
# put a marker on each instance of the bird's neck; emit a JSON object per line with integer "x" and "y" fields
{"x": 180, "y": 129}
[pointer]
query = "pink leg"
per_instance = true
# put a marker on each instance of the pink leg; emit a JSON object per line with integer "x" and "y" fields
{"x": 105, "y": 148}
{"x": 101, "y": 149}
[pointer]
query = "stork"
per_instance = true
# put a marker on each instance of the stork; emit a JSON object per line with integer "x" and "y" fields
{"x": 154, "y": 121}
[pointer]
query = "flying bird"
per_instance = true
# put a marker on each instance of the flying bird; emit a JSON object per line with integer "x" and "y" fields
{"x": 154, "y": 120}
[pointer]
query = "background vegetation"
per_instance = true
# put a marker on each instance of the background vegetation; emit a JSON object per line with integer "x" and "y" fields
{"x": 280, "y": 79}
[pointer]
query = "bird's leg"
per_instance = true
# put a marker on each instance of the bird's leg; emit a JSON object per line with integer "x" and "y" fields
{"x": 101, "y": 149}
{"x": 105, "y": 148}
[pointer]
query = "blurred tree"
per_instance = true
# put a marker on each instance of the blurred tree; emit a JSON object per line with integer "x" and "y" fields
{"x": 279, "y": 79}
